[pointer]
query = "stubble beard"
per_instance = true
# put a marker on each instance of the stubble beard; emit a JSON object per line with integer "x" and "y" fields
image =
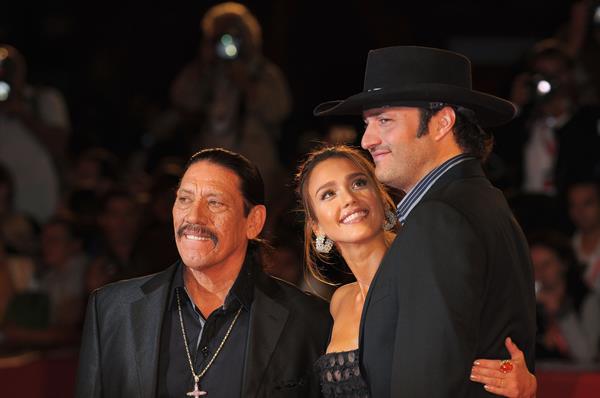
{"x": 394, "y": 177}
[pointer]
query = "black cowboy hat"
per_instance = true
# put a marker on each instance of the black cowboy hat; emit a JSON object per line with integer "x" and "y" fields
{"x": 416, "y": 76}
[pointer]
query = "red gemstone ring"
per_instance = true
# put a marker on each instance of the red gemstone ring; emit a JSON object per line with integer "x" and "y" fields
{"x": 506, "y": 366}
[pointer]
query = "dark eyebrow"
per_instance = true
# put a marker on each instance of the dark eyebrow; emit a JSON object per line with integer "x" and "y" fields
{"x": 354, "y": 175}
{"x": 375, "y": 112}
{"x": 348, "y": 178}
{"x": 326, "y": 185}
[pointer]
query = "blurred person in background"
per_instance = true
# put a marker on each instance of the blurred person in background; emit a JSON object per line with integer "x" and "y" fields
{"x": 581, "y": 36}
{"x": 19, "y": 243}
{"x": 118, "y": 220}
{"x": 34, "y": 129}
{"x": 568, "y": 317}
{"x": 554, "y": 137}
{"x": 231, "y": 95}
{"x": 156, "y": 244}
{"x": 584, "y": 210}
{"x": 93, "y": 172}
{"x": 94, "y": 169}
{"x": 51, "y": 315}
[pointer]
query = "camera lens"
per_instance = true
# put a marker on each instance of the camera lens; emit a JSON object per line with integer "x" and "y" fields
{"x": 542, "y": 87}
{"x": 228, "y": 47}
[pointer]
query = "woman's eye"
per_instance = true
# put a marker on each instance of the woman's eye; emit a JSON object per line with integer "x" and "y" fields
{"x": 384, "y": 121}
{"x": 326, "y": 195}
{"x": 359, "y": 183}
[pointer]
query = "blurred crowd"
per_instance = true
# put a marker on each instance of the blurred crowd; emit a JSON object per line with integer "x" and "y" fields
{"x": 74, "y": 220}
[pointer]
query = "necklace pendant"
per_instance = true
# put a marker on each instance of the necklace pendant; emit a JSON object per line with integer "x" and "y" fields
{"x": 196, "y": 393}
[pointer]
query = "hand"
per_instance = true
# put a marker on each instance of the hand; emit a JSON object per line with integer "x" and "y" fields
{"x": 518, "y": 383}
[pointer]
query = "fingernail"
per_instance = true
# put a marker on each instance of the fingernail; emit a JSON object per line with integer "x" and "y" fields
{"x": 509, "y": 339}
{"x": 473, "y": 377}
{"x": 477, "y": 363}
{"x": 486, "y": 386}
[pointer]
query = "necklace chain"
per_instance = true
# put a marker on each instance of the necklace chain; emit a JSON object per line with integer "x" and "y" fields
{"x": 185, "y": 340}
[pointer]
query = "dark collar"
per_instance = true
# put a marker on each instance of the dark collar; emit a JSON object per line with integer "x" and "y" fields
{"x": 241, "y": 293}
{"x": 414, "y": 196}
{"x": 471, "y": 168}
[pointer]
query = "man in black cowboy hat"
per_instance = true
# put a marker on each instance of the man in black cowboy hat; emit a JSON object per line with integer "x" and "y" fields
{"x": 457, "y": 280}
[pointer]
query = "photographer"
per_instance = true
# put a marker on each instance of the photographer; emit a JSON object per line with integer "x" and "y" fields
{"x": 230, "y": 95}
{"x": 554, "y": 139}
{"x": 34, "y": 127}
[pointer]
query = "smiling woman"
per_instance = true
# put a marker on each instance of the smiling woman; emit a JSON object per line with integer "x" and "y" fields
{"x": 331, "y": 183}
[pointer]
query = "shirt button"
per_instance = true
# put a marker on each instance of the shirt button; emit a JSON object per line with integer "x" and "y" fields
{"x": 204, "y": 351}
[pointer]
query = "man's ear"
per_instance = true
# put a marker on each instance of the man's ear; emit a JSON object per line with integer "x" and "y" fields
{"x": 444, "y": 121}
{"x": 256, "y": 221}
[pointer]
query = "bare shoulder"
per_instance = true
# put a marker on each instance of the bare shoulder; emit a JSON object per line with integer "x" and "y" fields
{"x": 342, "y": 295}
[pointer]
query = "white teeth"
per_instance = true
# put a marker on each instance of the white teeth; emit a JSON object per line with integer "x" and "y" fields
{"x": 196, "y": 237}
{"x": 354, "y": 216}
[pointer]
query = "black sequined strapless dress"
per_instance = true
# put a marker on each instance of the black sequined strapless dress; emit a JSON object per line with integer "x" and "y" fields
{"x": 340, "y": 376}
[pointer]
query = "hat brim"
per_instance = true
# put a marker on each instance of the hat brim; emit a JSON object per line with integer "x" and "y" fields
{"x": 490, "y": 110}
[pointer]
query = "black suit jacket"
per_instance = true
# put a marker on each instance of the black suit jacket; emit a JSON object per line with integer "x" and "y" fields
{"x": 456, "y": 281}
{"x": 288, "y": 331}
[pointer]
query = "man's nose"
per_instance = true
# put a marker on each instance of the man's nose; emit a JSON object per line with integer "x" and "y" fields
{"x": 198, "y": 213}
{"x": 370, "y": 138}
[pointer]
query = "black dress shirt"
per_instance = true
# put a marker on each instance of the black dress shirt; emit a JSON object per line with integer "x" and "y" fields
{"x": 224, "y": 377}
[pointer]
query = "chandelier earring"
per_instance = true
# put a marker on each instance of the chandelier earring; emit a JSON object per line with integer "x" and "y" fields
{"x": 323, "y": 244}
{"x": 389, "y": 223}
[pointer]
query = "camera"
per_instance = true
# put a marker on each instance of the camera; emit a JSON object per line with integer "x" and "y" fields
{"x": 228, "y": 47}
{"x": 542, "y": 87}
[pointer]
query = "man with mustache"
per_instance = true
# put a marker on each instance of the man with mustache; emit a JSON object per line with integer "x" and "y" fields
{"x": 213, "y": 323}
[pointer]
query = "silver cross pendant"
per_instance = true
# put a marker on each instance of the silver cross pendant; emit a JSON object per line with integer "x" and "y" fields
{"x": 196, "y": 393}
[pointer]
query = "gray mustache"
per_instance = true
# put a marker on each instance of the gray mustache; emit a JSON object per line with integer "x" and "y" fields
{"x": 196, "y": 229}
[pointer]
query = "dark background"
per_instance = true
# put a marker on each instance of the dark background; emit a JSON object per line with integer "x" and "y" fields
{"x": 114, "y": 61}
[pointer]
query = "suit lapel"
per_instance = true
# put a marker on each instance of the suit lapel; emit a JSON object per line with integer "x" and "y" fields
{"x": 267, "y": 321}
{"x": 368, "y": 300}
{"x": 146, "y": 322}
{"x": 467, "y": 169}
